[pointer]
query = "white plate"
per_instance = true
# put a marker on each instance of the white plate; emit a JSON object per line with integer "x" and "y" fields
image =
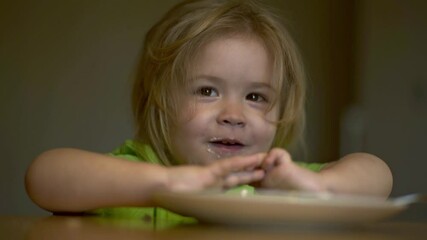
{"x": 279, "y": 207}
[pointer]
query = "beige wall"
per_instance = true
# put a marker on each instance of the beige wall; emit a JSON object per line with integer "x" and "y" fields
{"x": 65, "y": 68}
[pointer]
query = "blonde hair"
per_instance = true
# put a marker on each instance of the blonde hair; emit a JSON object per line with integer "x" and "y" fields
{"x": 166, "y": 62}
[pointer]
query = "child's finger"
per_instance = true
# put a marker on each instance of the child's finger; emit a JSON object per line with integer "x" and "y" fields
{"x": 275, "y": 157}
{"x": 243, "y": 177}
{"x": 240, "y": 163}
{"x": 269, "y": 161}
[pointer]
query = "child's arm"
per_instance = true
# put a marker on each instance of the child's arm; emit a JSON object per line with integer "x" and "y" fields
{"x": 71, "y": 180}
{"x": 357, "y": 173}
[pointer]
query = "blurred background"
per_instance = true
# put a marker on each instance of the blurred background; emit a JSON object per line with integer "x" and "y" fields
{"x": 66, "y": 68}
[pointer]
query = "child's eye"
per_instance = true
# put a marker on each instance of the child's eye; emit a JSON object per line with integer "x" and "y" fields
{"x": 255, "y": 97}
{"x": 207, "y": 92}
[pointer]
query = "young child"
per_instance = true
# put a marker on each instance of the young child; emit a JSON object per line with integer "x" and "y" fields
{"x": 218, "y": 99}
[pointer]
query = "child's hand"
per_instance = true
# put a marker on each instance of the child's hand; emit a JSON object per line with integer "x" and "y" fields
{"x": 282, "y": 173}
{"x": 224, "y": 173}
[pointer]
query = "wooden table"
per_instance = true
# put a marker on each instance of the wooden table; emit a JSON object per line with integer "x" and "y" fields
{"x": 78, "y": 227}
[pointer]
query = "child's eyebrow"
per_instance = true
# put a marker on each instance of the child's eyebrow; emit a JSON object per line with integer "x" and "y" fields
{"x": 209, "y": 77}
{"x": 221, "y": 80}
{"x": 263, "y": 85}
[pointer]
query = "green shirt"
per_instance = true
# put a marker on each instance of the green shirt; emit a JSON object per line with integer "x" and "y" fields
{"x": 135, "y": 151}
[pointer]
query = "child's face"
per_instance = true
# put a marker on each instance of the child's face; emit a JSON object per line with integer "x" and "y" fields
{"x": 226, "y": 110}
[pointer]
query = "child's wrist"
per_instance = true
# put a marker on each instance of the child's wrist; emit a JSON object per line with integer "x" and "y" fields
{"x": 326, "y": 181}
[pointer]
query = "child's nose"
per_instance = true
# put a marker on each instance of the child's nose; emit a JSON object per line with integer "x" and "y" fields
{"x": 232, "y": 114}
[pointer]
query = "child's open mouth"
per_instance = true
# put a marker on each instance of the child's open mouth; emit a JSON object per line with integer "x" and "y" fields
{"x": 227, "y": 145}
